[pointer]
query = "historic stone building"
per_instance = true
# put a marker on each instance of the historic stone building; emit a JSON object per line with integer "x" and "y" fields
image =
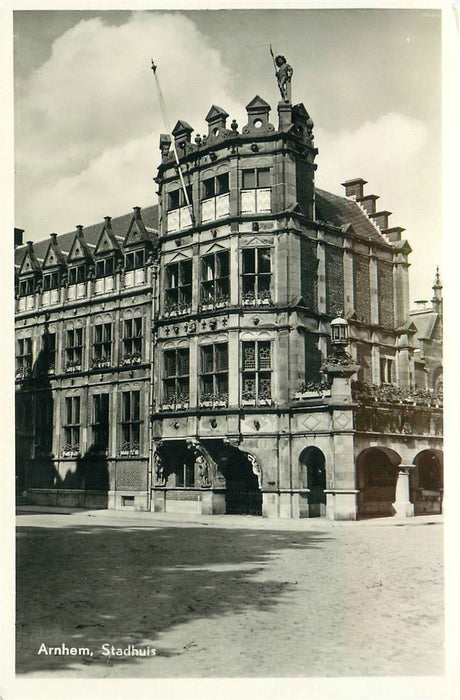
{"x": 181, "y": 359}
{"x": 428, "y": 321}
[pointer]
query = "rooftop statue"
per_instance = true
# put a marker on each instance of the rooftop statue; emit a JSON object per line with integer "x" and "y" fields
{"x": 283, "y": 76}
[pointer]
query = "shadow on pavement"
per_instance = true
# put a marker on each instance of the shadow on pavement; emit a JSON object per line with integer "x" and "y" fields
{"x": 89, "y": 585}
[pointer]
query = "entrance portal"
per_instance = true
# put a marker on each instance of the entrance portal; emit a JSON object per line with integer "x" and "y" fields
{"x": 376, "y": 475}
{"x": 243, "y": 495}
{"x": 313, "y": 465}
{"x": 426, "y": 482}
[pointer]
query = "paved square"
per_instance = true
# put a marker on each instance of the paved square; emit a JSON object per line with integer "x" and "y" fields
{"x": 228, "y": 596}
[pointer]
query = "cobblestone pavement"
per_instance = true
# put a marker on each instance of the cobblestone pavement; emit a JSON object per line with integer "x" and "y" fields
{"x": 227, "y": 596}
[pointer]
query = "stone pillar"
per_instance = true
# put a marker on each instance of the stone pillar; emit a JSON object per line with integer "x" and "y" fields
{"x": 402, "y": 505}
{"x": 341, "y": 504}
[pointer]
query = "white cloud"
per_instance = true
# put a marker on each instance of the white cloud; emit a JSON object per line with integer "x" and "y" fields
{"x": 95, "y": 100}
{"x": 380, "y": 152}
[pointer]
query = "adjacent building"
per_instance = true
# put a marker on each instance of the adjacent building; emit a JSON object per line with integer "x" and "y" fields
{"x": 182, "y": 359}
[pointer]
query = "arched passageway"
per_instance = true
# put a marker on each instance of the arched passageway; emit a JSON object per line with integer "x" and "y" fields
{"x": 312, "y": 465}
{"x": 243, "y": 495}
{"x": 377, "y": 473}
{"x": 427, "y": 482}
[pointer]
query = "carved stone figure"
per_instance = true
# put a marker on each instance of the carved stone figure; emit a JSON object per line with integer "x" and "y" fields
{"x": 160, "y": 478}
{"x": 203, "y": 470}
{"x": 283, "y": 76}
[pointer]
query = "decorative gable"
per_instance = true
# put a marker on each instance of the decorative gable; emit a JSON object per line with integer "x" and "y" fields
{"x": 137, "y": 233}
{"x": 79, "y": 250}
{"x": 54, "y": 257}
{"x": 107, "y": 242}
{"x": 217, "y": 123}
{"x": 29, "y": 263}
{"x": 258, "y": 122}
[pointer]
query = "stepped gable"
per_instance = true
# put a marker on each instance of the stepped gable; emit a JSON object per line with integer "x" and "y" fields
{"x": 339, "y": 211}
{"x": 120, "y": 225}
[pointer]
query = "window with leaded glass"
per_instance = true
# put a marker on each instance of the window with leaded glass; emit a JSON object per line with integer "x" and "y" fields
{"x": 74, "y": 348}
{"x": 24, "y": 357}
{"x": 77, "y": 273}
{"x": 135, "y": 260}
{"x": 256, "y": 276}
{"x": 131, "y": 423}
{"x": 214, "y": 373}
{"x": 100, "y": 424}
{"x": 178, "y": 286}
{"x": 215, "y": 278}
{"x": 102, "y": 346}
{"x": 256, "y": 192}
{"x": 72, "y": 424}
{"x": 132, "y": 340}
{"x": 176, "y": 376}
{"x": 256, "y": 370}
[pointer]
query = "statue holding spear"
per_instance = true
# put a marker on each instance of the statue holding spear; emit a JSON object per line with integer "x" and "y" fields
{"x": 283, "y": 72}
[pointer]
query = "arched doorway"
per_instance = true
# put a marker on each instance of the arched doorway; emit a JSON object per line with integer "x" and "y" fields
{"x": 243, "y": 495}
{"x": 312, "y": 464}
{"x": 377, "y": 474}
{"x": 427, "y": 482}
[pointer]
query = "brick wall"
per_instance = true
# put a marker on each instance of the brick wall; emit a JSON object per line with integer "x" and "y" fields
{"x": 361, "y": 287}
{"x": 385, "y": 287}
{"x": 308, "y": 280}
{"x": 334, "y": 281}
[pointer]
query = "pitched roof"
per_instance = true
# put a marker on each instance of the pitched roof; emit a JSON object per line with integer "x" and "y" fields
{"x": 120, "y": 226}
{"x": 340, "y": 211}
{"x": 425, "y": 323}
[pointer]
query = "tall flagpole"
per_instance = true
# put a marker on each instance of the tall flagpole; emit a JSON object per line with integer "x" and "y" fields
{"x": 168, "y": 129}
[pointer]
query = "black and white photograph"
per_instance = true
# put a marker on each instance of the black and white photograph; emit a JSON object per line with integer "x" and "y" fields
{"x": 228, "y": 344}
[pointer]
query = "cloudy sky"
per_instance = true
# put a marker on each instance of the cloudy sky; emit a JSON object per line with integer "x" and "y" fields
{"x": 87, "y": 116}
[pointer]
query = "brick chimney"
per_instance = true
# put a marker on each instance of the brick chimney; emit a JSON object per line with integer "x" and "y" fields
{"x": 18, "y": 236}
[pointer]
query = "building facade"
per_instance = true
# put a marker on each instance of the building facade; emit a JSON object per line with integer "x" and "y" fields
{"x": 184, "y": 353}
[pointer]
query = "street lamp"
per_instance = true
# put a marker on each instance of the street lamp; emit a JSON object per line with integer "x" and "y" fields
{"x": 339, "y": 332}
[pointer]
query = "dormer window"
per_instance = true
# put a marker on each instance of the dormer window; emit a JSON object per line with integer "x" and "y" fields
{"x": 26, "y": 287}
{"x": 135, "y": 260}
{"x": 50, "y": 281}
{"x": 77, "y": 274}
{"x": 105, "y": 267}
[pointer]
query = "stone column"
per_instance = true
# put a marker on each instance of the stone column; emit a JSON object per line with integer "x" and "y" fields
{"x": 402, "y": 505}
